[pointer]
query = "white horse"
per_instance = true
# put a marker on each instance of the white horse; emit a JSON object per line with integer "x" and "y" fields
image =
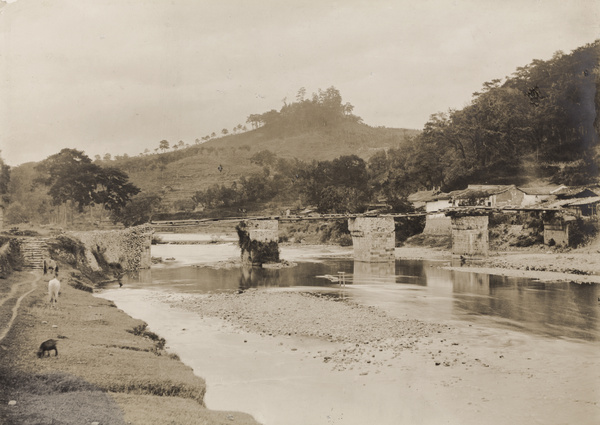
{"x": 53, "y": 290}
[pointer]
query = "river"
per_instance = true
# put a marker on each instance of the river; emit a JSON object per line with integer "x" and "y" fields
{"x": 526, "y": 320}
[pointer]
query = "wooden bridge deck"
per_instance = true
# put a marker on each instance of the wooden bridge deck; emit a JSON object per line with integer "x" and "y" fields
{"x": 447, "y": 211}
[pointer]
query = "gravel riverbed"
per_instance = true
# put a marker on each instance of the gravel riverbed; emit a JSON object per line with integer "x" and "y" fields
{"x": 365, "y": 334}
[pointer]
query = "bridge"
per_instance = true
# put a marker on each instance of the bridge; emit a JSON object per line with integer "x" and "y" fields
{"x": 373, "y": 234}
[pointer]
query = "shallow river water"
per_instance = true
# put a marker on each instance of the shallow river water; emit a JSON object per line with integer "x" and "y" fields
{"x": 279, "y": 383}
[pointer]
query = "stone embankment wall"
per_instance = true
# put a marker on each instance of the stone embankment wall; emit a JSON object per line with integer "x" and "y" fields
{"x": 128, "y": 247}
{"x": 556, "y": 229}
{"x": 373, "y": 238}
{"x": 438, "y": 224}
{"x": 470, "y": 235}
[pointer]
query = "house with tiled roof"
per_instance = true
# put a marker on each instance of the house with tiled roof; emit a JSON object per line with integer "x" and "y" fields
{"x": 537, "y": 195}
{"x": 495, "y": 196}
{"x": 570, "y": 192}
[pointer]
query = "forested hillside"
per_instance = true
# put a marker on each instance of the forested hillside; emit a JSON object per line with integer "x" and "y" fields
{"x": 539, "y": 123}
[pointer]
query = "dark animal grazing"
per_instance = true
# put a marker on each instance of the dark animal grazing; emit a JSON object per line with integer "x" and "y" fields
{"x": 46, "y": 347}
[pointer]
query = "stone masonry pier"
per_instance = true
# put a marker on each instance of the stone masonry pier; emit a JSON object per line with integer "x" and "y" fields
{"x": 259, "y": 241}
{"x": 470, "y": 235}
{"x": 373, "y": 238}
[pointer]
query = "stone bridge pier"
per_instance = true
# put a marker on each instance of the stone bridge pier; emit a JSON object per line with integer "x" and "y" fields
{"x": 259, "y": 241}
{"x": 470, "y": 235}
{"x": 373, "y": 238}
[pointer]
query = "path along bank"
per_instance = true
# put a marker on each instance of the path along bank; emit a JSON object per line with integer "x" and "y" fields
{"x": 109, "y": 370}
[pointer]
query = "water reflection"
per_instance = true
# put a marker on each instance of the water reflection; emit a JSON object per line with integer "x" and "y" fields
{"x": 559, "y": 309}
{"x": 374, "y": 272}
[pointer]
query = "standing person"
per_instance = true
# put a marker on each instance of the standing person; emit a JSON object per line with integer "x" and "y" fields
{"x": 45, "y": 266}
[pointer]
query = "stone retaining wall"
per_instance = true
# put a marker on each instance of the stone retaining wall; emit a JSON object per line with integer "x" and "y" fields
{"x": 128, "y": 247}
{"x": 438, "y": 224}
{"x": 556, "y": 229}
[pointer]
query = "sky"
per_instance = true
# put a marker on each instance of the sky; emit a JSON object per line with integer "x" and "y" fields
{"x": 119, "y": 76}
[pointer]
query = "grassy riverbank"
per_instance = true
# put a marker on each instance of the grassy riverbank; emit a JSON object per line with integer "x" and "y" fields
{"x": 110, "y": 368}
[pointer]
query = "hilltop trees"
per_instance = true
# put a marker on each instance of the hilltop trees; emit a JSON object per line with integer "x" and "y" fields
{"x": 324, "y": 108}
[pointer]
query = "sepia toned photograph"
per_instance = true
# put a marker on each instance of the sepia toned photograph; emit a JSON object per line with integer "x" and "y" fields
{"x": 276, "y": 212}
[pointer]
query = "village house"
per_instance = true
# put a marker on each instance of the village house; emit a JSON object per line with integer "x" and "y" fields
{"x": 537, "y": 195}
{"x": 572, "y": 192}
{"x": 494, "y": 196}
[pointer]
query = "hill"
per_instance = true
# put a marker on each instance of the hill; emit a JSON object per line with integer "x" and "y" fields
{"x": 178, "y": 175}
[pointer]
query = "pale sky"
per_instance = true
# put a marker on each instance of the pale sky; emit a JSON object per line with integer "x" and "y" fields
{"x": 118, "y": 76}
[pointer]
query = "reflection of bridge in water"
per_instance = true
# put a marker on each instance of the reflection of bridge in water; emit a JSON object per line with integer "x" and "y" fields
{"x": 373, "y": 235}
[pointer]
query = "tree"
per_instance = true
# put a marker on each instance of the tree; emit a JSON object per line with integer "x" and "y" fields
{"x": 163, "y": 145}
{"x": 107, "y": 157}
{"x": 113, "y": 189}
{"x": 138, "y": 211}
{"x": 71, "y": 176}
{"x": 225, "y": 132}
{"x": 4, "y": 177}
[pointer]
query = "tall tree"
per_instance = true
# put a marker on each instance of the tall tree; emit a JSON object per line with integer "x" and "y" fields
{"x": 71, "y": 176}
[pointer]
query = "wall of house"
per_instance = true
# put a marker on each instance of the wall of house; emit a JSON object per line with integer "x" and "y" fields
{"x": 470, "y": 235}
{"x": 433, "y": 206}
{"x": 128, "y": 247}
{"x": 512, "y": 197}
{"x": 533, "y": 199}
{"x": 373, "y": 238}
